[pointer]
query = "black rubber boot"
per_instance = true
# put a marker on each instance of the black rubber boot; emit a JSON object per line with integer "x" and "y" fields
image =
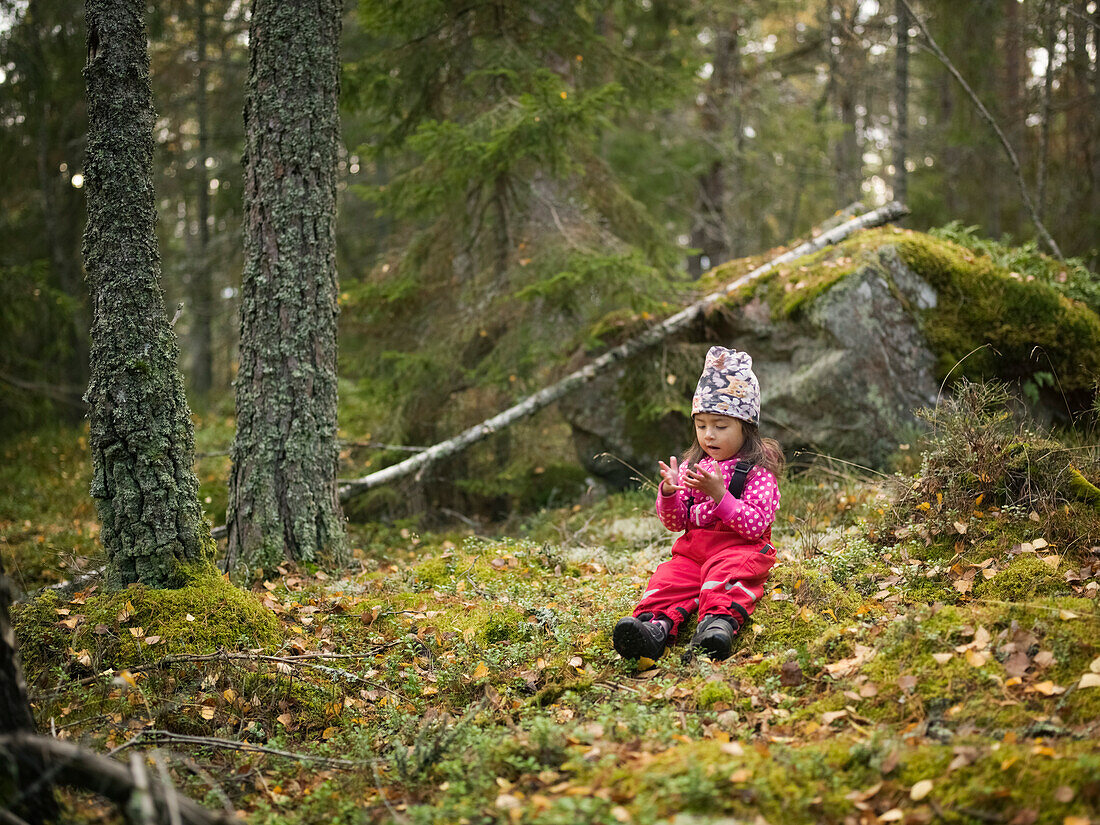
{"x": 634, "y": 638}
{"x": 714, "y": 636}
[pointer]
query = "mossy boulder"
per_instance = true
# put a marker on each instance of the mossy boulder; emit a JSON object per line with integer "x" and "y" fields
{"x": 847, "y": 343}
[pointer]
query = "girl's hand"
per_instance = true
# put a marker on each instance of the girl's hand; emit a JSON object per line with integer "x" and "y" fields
{"x": 670, "y": 477}
{"x": 710, "y": 483}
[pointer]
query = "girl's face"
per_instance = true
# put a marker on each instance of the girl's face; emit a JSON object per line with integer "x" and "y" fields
{"x": 720, "y": 436}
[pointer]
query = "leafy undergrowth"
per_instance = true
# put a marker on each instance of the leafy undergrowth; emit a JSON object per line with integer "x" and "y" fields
{"x": 929, "y": 650}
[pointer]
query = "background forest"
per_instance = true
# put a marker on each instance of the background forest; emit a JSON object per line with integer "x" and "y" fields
{"x": 518, "y": 181}
{"x": 522, "y": 188}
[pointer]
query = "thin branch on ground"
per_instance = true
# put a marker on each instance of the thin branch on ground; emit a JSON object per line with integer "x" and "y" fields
{"x": 159, "y": 736}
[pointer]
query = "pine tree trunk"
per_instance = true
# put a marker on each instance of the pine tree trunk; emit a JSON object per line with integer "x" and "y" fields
{"x": 142, "y": 438}
{"x": 847, "y": 160}
{"x": 1014, "y": 103}
{"x": 1048, "y": 16}
{"x": 202, "y": 349}
{"x": 282, "y": 493}
{"x": 720, "y": 120}
{"x": 901, "y": 103}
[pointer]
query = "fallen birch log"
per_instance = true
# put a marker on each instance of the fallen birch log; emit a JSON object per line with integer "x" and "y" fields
{"x": 544, "y": 397}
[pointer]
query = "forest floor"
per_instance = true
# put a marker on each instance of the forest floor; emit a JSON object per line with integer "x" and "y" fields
{"x": 914, "y": 660}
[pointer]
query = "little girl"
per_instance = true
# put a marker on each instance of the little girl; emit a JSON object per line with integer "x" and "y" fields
{"x": 724, "y": 495}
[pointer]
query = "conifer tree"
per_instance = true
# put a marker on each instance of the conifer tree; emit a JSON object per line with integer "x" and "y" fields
{"x": 142, "y": 438}
{"x": 511, "y": 231}
{"x": 282, "y": 494}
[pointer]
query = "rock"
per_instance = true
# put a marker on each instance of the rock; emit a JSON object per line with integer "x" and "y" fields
{"x": 860, "y": 367}
{"x": 840, "y": 379}
{"x": 847, "y": 345}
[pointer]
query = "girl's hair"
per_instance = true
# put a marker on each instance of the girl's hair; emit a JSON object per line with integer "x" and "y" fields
{"x": 765, "y": 452}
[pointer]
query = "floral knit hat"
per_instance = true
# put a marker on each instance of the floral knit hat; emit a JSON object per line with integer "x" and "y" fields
{"x": 728, "y": 386}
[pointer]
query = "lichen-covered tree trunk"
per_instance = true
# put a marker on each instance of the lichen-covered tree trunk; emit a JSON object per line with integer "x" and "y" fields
{"x": 142, "y": 438}
{"x": 282, "y": 490}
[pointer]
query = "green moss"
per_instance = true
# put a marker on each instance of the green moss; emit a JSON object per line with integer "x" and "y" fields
{"x": 713, "y": 693}
{"x": 117, "y": 628}
{"x": 505, "y": 625}
{"x": 41, "y": 638}
{"x": 434, "y": 571}
{"x": 1003, "y": 317}
{"x": 797, "y": 288}
{"x": 1025, "y": 578}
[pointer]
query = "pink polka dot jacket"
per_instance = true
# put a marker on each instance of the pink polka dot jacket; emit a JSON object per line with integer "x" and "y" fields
{"x": 751, "y": 515}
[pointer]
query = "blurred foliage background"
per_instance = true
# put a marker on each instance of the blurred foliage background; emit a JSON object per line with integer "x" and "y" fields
{"x": 521, "y": 180}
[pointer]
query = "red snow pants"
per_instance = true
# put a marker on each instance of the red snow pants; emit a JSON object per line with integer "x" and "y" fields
{"x": 712, "y": 571}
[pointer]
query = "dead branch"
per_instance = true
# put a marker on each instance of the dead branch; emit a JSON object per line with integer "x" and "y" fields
{"x": 68, "y": 764}
{"x": 164, "y": 736}
{"x": 419, "y": 463}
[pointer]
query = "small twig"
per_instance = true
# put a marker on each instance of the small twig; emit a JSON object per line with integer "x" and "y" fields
{"x": 246, "y": 747}
{"x": 842, "y": 461}
{"x": 205, "y": 776}
{"x": 252, "y": 657}
{"x": 169, "y": 790}
{"x": 8, "y": 818}
{"x": 464, "y": 519}
{"x": 939, "y": 395}
{"x": 375, "y": 445}
{"x": 141, "y": 799}
{"x": 382, "y": 793}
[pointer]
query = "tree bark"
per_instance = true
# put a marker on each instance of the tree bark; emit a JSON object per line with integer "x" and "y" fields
{"x": 847, "y": 159}
{"x": 202, "y": 297}
{"x": 141, "y": 437}
{"x": 548, "y": 395}
{"x": 901, "y": 104}
{"x": 282, "y": 491}
{"x": 1048, "y": 17}
{"x": 720, "y": 120}
{"x": 16, "y": 718}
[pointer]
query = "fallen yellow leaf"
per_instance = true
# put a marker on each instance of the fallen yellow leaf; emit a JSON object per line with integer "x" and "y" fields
{"x": 976, "y": 658}
{"x": 1089, "y": 680}
{"x": 1047, "y": 688}
{"x": 920, "y": 790}
{"x": 481, "y": 671}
